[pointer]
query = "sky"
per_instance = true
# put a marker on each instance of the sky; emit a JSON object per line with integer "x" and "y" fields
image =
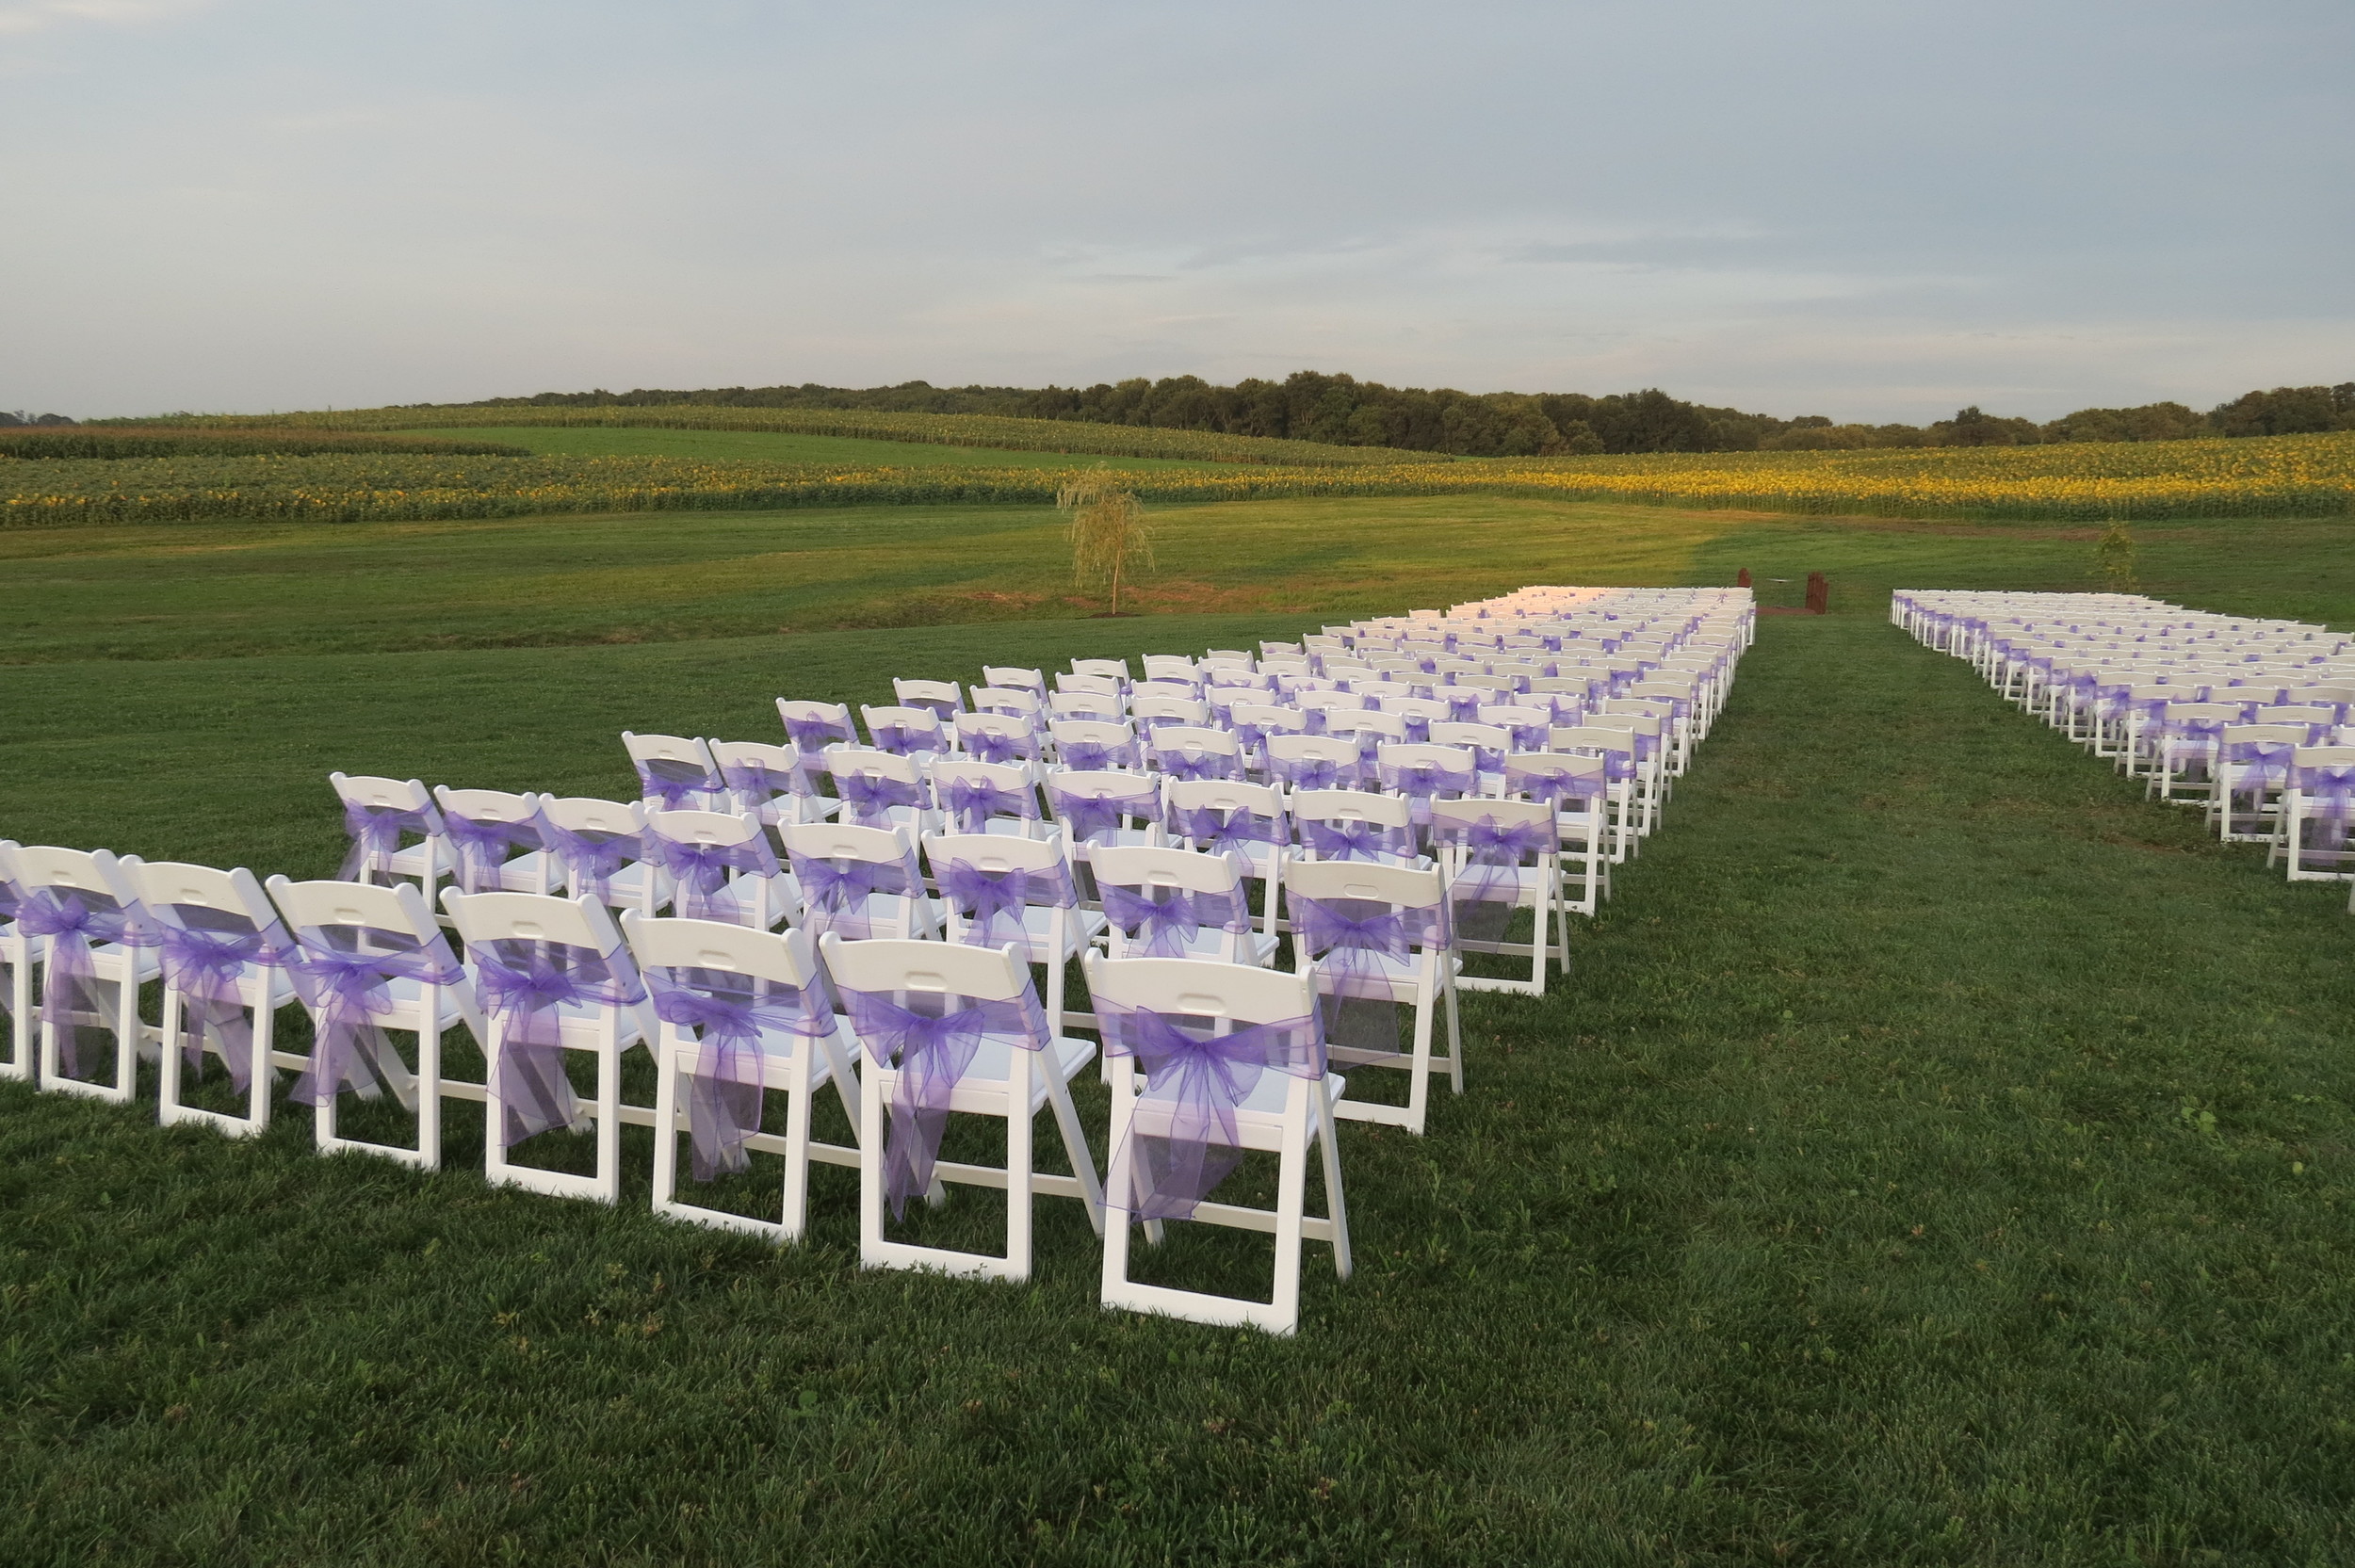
{"x": 1869, "y": 209}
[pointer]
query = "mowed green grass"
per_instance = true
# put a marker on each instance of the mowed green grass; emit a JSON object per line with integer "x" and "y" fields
{"x": 209, "y": 590}
{"x": 779, "y": 446}
{"x": 1938, "y": 1155}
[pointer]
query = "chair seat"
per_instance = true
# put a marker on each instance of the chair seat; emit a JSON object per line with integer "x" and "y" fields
{"x": 406, "y": 999}
{"x": 527, "y": 873}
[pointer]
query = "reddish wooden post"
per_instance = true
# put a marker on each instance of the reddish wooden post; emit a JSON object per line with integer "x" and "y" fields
{"x": 1743, "y": 579}
{"x": 1818, "y": 595}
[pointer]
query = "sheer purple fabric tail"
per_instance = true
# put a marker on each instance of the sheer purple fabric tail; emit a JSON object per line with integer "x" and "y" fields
{"x": 1184, "y": 1138}
{"x": 375, "y": 832}
{"x": 992, "y": 902}
{"x": 205, "y": 958}
{"x": 1350, "y": 939}
{"x": 523, "y": 984}
{"x": 729, "y": 1013}
{"x": 931, "y": 1044}
{"x": 76, "y": 924}
{"x": 343, "y": 974}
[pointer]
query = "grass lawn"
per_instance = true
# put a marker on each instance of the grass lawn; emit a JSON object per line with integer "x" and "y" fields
{"x": 778, "y": 446}
{"x": 1936, "y": 1156}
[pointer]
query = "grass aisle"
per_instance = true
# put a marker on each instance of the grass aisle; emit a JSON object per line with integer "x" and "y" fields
{"x": 1939, "y": 1156}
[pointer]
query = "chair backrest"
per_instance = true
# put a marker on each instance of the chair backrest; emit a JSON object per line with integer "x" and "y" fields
{"x": 1267, "y": 718}
{"x": 83, "y": 871}
{"x": 400, "y": 908}
{"x": 1107, "y": 707}
{"x": 364, "y": 789}
{"x": 815, "y": 726}
{"x": 899, "y": 729}
{"x": 1389, "y": 726}
{"x": 779, "y": 766}
{"x": 1186, "y": 737}
{"x": 890, "y": 964}
{"x": 1402, "y": 886}
{"x": 1378, "y": 691}
{"x": 1487, "y": 737}
{"x": 2266, "y": 735}
{"x": 1117, "y": 670}
{"x": 581, "y": 813}
{"x": 1170, "y": 667}
{"x": 1504, "y": 813}
{"x": 1238, "y": 993}
{"x": 1312, "y": 748}
{"x": 2332, "y": 694}
{"x": 1149, "y": 711}
{"x": 940, "y": 696}
{"x": 1100, "y": 686}
{"x": 1402, "y": 758}
{"x": 1033, "y": 681}
{"x": 1635, "y": 724}
{"x": 786, "y": 958}
{"x": 681, "y": 749}
{"x": 2323, "y": 756}
{"x": 995, "y": 852}
{"x": 1103, "y": 742}
{"x": 1428, "y": 709}
{"x": 2289, "y": 713}
{"x": 580, "y": 922}
{"x": 486, "y": 805}
{"x": 2205, "y": 711}
{"x": 1150, "y": 866}
{"x": 167, "y": 888}
{"x": 707, "y": 826}
{"x": 848, "y": 841}
{"x": 1002, "y": 732}
{"x": 1019, "y": 701}
{"x": 847, "y": 760}
{"x": 985, "y": 789}
{"x": 1181, "y": 795}
{"x": 1328, "y": 699}
{"x": 1352, "y": 805}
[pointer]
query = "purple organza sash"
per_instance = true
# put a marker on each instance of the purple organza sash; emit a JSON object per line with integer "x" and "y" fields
{"x": 1095, "y": 756}
{"x": 906, "y": 740}
{"x": 835, "y": 892}
{"x": 932, "y": 1046}
{"x": 1463, "y": 705}
{"x": 483, "y": 847}
{"x": 867, "y": 798}
{"x": 592, "y": 857}
{"x": 971, "y": 802}
{"x": 1219, "y": 829}
{"x": 813, "y": 735}
{"x": 205, "y": 958}
{"x": 1422, "y": 780}
{"x": 523, "y": 984}
{"x": 1163, "y": 922}
{"x": 1550, "y": 783}
{"x": 1091, "y": 814}
{"x": 1312, "y": 773}
{"x": 2330, "y": 799}
{"x": 1354, "y": 838}
{"x": 2258, "y": 765}
{"x": 1525, "y": 737}
{"x": 1180, "y": 763}
{"x": 1487, "y": 890}
{"x": 680, "y": 785}
{"x": 1001, "y": 746}
{"x": 702, "y": 875}
{"x": 375, "y": 832}
{"x": 992, "y": 902}
{"x": 344, "y": 975}
{"x": 76, "y": 923}
{"x": 757, "y": 784}
{"x": 1183, "y": 1139}
{"x": 1361, "y": 947}
{"x": 729, "y": 1013}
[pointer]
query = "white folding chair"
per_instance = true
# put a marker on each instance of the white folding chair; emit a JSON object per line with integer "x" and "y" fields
{"x": 1578, "y": 787}
{"x": 366, "y": 961}
{"x": 675, "y": 772}
{"x": 1014, "y": 675}
{"x": 1087, "y": 706}
{"x": 907, "y": 732}
{"x": 997, "y": 737}
{"x": 770, "y": 782}
{"x": 1114, "y": 671}
{"x": 945, "y": 1029}
{"x": 1152, "y": 711}
{"x": 1499, "y": 857}
{"x": 814, "y": 726}
{"x": 600, "y": 846}
{"x": 1301, "y": 762}
{"x": 553, "y": 977}
{"x": 94, "y": 954}
{"x": 998, "y": 891}
{"x": 941, "y": 697}
{"x": 1376, "y": 937}
{"x": 860, "y": 882}
{"x": 222, "y": 952}
{"x": 378, "y": 814}
{"x": 1163, "y": 903}
{"x": 740, "y": 1012}
{"x": 720, "y": 868}
{"x": 1355, "y": 824}
{"x": 1168, "y": 667}
{"x": 494, "y": 841}
{"x": 1175, "y": 1132}
{"x": 16, "y": 974}
{"x": 880, "y": 789}
{"x": 1617, "y": 747}
{"x": 1095, "y": 746}
{"x": 2317, "y": 808}
{"x": 1232, "y": 817}
{"x": 1191, "y": 752}
{"x": 982, "y": 798}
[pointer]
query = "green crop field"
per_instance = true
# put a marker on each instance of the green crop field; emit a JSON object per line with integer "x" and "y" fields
{"x": 1936, "y": 1155}
{"x": 782, "y": 446}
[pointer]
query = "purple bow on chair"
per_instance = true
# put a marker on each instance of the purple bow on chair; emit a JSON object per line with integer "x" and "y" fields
{"x": 1525, "y": 737}
{"x": 702, "y": 875}
{"x": 1361, "y": 947}
{"x": 1163, "y": 922}
{"x": 906, "y": 740}
{"x": 1424, "y": 782}
{"x": 835, "y": 893}
{"x": 679, "y": 786}
{"x": 523, "y": 984}
{"x": 932, "y": 1046}
{"x": 971, "y": 802}
{"x": 992, "y": 902}
{"x": 1548, "y": 783}
{"x": 811, "y": 736}
{"x": 1183, "y": 1139}
{"x": 1003, "y": 747}
{"x": 76, "y": 922}
{"x": 1354, "y": 838}
{"x": 1489, "y": 889}
{"x": 375, "y": 832}
{"x": 483, "y": 847}
{"x": 1088, "y": 814}
{"x": 729, "y": 1013}
{"x": 205, "y": 958}
{"x": 868, "y": 797}
{"x": 1180, "y": 763}
{"x": 1219, "y": 829}
{"x": 592, "y": 857}
{"x": 759, "y": 784}
{"x": 2257, "y": 765}
{"x": 1462, "y": 703}
{"x": 1312, "y": 773}
{"x": 1095, "y": 756}
{"x": 345, "y": 974}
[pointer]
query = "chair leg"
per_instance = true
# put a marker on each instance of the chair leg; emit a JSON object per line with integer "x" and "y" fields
{"x": 1329, "y": 1144}
{"x": 1291, "y": 1184}
{"x": 797, "y": 1110}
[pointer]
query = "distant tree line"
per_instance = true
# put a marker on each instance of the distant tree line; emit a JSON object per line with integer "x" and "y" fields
{"x": 20, "y": 417}
{"x": 1311, "y": 405}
